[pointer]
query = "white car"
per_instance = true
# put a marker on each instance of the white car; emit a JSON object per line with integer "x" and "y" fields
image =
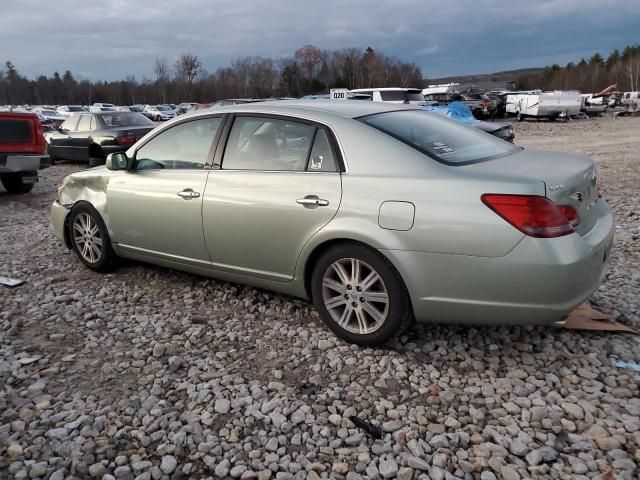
{"x": 49, "y": 114}
{"x": 159, "y": 112}
{"x": 68, "y": 110}
{"x": 392, "y": 94}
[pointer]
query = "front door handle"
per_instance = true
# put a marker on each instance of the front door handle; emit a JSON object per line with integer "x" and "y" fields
{"x": 188, "y": 193}
{"x": 312, "y": 201}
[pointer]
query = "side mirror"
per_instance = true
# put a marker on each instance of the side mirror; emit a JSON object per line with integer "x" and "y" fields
{"x": 118, "y": 161}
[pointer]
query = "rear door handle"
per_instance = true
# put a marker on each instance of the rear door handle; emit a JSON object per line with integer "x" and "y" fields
{"x": 188, "y": 193}
{"x": 312, "y": 201}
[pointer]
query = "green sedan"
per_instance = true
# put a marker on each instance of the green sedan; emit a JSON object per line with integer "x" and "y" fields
{"x": 380, "y": 214}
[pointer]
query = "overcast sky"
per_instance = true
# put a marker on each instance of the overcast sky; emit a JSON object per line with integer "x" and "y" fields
{"x": 111, "y": 39}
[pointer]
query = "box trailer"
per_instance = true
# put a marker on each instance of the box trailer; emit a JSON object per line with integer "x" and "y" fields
{"x": 543, "y": 104}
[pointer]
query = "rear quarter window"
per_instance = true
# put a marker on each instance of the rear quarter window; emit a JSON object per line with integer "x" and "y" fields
{"x": 439, "y": 138}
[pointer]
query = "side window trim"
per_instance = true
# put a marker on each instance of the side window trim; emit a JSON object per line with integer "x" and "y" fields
{"x": 310, "y": 149}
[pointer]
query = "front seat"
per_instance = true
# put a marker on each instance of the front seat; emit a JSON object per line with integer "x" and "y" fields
{"x": 263, "y": 147}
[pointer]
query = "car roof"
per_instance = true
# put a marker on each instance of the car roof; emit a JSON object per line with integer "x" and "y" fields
{"x": 387, "y": 89}
{"x": 344, "y": 108}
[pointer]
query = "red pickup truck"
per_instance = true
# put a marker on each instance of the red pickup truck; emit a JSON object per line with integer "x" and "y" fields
{"x": 22, "y": 151}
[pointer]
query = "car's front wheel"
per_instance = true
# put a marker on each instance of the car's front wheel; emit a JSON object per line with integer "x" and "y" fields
{"x": 90, "y": 239}
{"x": 360, "y": 295}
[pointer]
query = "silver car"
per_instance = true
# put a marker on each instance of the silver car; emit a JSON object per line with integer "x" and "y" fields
{"x": 380, "y": 214}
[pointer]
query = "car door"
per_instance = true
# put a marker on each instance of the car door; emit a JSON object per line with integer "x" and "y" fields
{"x": 81, "y": 138}
{"x": 277, "y": 185}
{"x": 155, "y": 209}
{"x": 60, "y": 141}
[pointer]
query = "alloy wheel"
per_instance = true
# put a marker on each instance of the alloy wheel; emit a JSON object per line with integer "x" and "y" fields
{"x": 86, "y": 236}
{"x": 355, "y": 295}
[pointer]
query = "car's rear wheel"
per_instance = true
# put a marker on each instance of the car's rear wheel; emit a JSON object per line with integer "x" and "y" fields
{"x": 90, "y": 239}
{"x": 14, "y": 183}
{"x": 360, "y": 295}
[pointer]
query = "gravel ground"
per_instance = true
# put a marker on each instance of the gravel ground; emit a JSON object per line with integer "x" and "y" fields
{"x": 152, "y": 373}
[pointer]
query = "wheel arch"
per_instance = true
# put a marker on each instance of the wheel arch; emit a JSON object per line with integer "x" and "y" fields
{"x": 95, "y": 151}
{"x": 318, "y": 250}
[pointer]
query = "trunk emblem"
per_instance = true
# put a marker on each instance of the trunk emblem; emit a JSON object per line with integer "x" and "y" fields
{"x": 557, "y": 188}
{"x": 577, "y": 196}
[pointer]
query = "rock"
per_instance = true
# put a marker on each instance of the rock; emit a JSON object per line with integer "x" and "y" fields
{"x": 223, "y": 468}
{"x": 237, "y": 471}
{"x": 14, "y": 450}
{"x": 405, "y": 474}
{"x": 175, "y": 363}
{"x": 518, "y": 448}
{"x": 222, "y": 406}
{"x": 418, "y": 464}
{"x": 168, "y": 464}
{"x": 97, "y": 470}
{"x": 573, "y": 410}
{"x": 509, "y": 473}
{"x": 38, "y": 470}
{"x": 540, "y": 455}
{"x": 341, "y": 468}
{"x": 388, "y": 468}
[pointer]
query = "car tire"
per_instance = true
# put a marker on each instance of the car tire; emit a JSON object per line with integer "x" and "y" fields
{"x": 14, "y": 183}
{"x": 367, "y": 309}
{"x": 52, "y": 157}
{"x": 89, "y": 238}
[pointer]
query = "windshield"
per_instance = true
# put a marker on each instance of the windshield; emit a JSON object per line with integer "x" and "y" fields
{"x": 162, "y": 109}
{"x": 401, "y": 96}
{"x": 440, "y": 138}
{"x": 125, "y": 119}
{"x": 78, "y": 109}
{"x": 49, "y": 112}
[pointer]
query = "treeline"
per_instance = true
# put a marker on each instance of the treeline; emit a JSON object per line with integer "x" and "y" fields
{"x": 308, "y": 70}
{"x": 590, "y": 75}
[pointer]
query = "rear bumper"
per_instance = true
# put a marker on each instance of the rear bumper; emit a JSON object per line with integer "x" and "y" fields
{"x": 538, "y": 282}
{"x": 23, "y": 163}
{"x": 58, "y": 219}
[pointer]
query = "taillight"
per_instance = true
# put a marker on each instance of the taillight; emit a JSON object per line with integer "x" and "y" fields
{"x": 533, "y": 215}
{"x": 570, "y": 214}
{"x": 39, "y": 133}
{"x": 126, "y": 139}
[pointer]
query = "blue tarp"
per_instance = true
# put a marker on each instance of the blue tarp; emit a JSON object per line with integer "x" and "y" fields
{"x": 457, "y": 111}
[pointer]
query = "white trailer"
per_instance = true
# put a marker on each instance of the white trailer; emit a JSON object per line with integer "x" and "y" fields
{"x": 543, "y": 104}
{"x": 440, "y": 88}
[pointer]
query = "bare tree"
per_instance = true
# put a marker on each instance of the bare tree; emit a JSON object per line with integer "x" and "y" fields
{"x": 310, "y": 58}
{"x": 161, "y": 69}
{"x": 188, "y": 67}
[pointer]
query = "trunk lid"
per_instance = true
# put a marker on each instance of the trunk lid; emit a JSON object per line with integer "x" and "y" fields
{"x": 568, "y": 179}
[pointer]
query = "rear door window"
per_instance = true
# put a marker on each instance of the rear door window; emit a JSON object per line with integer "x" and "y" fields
{"x": 270, "y": 144}
{"x": 84, "y": 125}
{"x": 71, "y": 123}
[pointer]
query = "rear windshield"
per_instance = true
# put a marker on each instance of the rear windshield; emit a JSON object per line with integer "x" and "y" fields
{"x": 401, "y": 96}
{"x": 15, "y": 131}
{"x": 440, "y": 138}
{"x": 125, "y": 119}
{"x": 77, "y": 109}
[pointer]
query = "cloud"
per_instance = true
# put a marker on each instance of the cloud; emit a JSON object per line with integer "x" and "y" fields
{"x": 115, "y": 38}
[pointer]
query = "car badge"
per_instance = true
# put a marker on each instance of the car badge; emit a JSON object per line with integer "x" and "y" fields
{"x": 577, "y": 196}
{"x": 557, "y": 188}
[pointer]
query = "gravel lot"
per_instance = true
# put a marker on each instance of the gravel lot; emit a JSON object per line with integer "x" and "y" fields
{"x": 152, "y": 373}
